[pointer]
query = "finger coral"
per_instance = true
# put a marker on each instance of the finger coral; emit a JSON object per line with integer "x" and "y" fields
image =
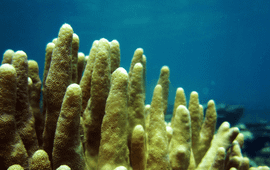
{"x": 93, "y": 115}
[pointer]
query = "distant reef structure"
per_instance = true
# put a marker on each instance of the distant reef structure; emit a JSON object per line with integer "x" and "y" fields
{"x": 225, "y": 112}
{"x": 94, "y": 117}
{"x": 230, "y": 113}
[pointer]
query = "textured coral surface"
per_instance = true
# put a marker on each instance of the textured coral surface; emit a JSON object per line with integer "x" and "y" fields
{"x": 93, "y": 115}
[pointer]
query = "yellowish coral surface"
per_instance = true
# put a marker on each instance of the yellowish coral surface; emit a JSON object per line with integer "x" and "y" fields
{"x": 103, "y": 122}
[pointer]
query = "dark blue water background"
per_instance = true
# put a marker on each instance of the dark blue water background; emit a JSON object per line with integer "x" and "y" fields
{"x": 221, "y": 49}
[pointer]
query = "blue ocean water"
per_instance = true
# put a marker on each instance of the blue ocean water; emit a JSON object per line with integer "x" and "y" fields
{"x": 221, "y": 49}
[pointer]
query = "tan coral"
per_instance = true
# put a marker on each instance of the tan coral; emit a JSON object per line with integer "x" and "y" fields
{"x": 15, "y": 167}
{"x": 187, "y": 143}
{"x": 68, "y": 148}
{"x": 7, "y": 56}
{"x": 34, "y": 97}
{"x": 40, "y": 161}
{"x": 80, "y": 66}
{"x": 224, "y": 138}
{"x": 12, "y": 149}
{"x": 180, "y": 99}
{"x": 136, "y": 99}
{"x": 138, "y": 148}
{"x": 25, "y": 121}
{"x": 158, "y": 156}
{"x": 180, "y": 145}
{"x": 113, "y": 151}
{"x": 164, "y": 81}
{"x": 58, "y": 79}
{"x": 115, "y": 55}
{"x": 86, "y": 79}
{"x": 74, "y": 58}
{"x": 95, "y": 110}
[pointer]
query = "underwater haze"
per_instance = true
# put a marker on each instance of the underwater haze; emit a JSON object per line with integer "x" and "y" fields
{"x": 219, "y": 48}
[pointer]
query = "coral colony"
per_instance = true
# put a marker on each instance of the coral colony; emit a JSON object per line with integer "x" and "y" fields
{"x": 93, "y": 115}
